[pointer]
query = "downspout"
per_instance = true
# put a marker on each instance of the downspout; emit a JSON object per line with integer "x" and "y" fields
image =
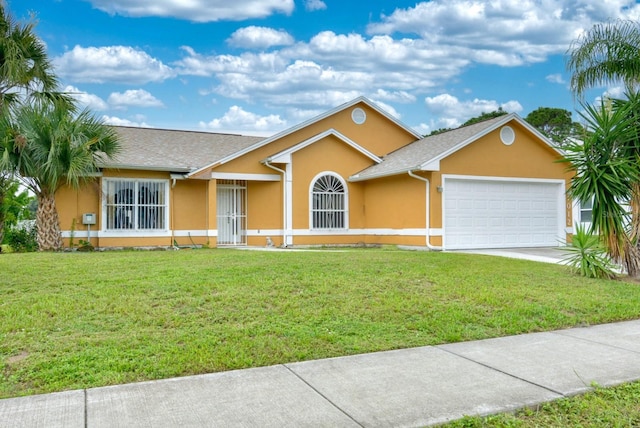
{"x": 284, "y": 199}
{"x": 428, "y": 208}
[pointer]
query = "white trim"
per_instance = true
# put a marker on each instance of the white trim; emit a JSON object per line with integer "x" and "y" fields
{"x": 186, "y": 233}
{"x": 82, "y": 233}
{"x": 309, "y": 122}
{"x": 358, "y": 116}
{"x": 436, "y": 231}
{"x": 261, "y": 232}
{"x": 335, "y": 232}
{"x": 125, "y": 232}
{"x": 508, "y": 118}
{"x": 285, "y": 155}
{"x": 496, "y": 178}
{"x": 433, "y": 164}
{"x": 264, "y": 232}
{"x": 133, "y": 234}
{"x": 561, "y": 198}
{"x": 244, "y": 177}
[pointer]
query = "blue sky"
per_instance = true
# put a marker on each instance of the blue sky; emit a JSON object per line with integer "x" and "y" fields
{"x": 259, "y": 66}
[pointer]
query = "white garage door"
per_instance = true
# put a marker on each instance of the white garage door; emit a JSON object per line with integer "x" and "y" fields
{"x": 501, "y": 214}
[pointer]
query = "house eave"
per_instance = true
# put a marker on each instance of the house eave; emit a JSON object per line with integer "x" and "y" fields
{"x": 146, "y": 168}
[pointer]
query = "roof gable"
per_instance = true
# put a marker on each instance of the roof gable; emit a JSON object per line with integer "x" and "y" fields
{"x": 307, "y": 123}
{"x": 285, "y": 155}
{"x": 425, "y": 154}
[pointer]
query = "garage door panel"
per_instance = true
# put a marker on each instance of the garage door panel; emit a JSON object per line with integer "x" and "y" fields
{"x": 486, "y": 213}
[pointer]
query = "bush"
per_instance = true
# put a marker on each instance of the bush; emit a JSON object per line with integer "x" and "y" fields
{"x": 22, "y": 240}
{"x": 588, "y": 257}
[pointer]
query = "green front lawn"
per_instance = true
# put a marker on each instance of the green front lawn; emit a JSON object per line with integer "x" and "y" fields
{"x": 603, "y": 407}
{"x": 76, "y": 320}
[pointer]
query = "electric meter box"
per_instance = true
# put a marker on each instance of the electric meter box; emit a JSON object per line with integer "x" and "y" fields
{"x": 88, "y": 218}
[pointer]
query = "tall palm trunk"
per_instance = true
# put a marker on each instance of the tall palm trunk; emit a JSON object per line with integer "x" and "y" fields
{"x": 49, "y": 236}
{"x": 632, "y": 253}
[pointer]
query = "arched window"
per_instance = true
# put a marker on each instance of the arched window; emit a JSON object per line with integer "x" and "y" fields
{"x": 328, "y": 203}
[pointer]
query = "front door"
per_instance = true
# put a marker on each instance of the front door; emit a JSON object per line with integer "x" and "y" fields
{"x": 232, "y": 212}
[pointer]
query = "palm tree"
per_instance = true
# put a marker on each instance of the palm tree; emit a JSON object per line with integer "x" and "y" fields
{"x": 49, "y": 146}
{"x": 25, "y": 69}
{"x": 608, "y": 52}
{"x": 606, "y": 167}
{"x": 25, "y": 73}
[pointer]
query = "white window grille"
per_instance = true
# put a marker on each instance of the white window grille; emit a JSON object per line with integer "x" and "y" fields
{"x": 328, "y": 203}
{"x": 136, "y": 204}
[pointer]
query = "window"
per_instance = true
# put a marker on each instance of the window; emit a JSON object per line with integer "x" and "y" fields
{"x": 328, "y": 203}
{"x": 585, "y": 211}
{"x": 136, "y": 204}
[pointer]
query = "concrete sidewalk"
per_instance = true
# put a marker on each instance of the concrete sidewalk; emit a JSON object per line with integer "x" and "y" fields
{"x": 410, "y": 387}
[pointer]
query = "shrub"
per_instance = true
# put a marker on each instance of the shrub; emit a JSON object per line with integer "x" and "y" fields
{"x": 588, "y": 256}
{"x": 22, "y": 239}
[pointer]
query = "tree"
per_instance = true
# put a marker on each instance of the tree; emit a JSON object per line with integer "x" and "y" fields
{"x": 608, "y": 52}
{"x": 49, "y": 146}
{"x": 25, "y": 73}
{"x": 485, "y": 116}
{"x": 15, "y": 206}
{"x": 554, "y": 123}
{"x": 481, "y": 118}
{"x": 605, "y": 162}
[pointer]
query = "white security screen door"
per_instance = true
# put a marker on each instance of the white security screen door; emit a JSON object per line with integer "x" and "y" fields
{"x": 232, "y": 212}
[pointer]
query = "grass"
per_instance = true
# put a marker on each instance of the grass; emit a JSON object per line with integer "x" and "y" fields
{"x": 77, "y": 320}
{"x": 603, "y": 407}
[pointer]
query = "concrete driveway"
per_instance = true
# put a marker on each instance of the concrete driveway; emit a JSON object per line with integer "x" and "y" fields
{"x": 538, "y": 254}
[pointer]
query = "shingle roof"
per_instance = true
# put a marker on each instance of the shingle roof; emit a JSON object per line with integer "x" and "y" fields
{"x": 413, "y": 156}
{"x": 171, "y": 150}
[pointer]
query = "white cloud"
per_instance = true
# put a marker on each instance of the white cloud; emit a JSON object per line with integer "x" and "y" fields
{"x": 389, "y": 109}
{"x": 452, "y": 112}
{"x": 236, "y": 119}
{"x": 329, "y": 64}
{"x": 408, "y": 54}
{"x": 259, "y": 38}
{"x": 394, "y": 96}
{"x": 555, "y": 78}
{"x": 85, "y": 99}
{"x": 502, "y": 32}
{"x": 134, "y": 98}
{"x": 312, "y": 5}
{"x": 197, "y": 10}
{"x": 116, "y": 121}
{"x": 121, "y": 64}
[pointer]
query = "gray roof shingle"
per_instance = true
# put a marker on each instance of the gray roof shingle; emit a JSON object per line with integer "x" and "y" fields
{"x": 414, "y": 155}
{"x": 172, "y": 150}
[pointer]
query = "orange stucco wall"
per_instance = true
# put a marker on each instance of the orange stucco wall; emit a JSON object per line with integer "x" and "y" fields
{"x": 527, "y": 157}
{"x": 377, "y": 135}
{"x": 188, "y": 211}
{"x": 327, "y": 155}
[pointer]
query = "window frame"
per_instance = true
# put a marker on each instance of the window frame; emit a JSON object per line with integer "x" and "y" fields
{"x": 584, "y": 207}
{"x": 345, "y": 201}
{"x": 136, "y": 205}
